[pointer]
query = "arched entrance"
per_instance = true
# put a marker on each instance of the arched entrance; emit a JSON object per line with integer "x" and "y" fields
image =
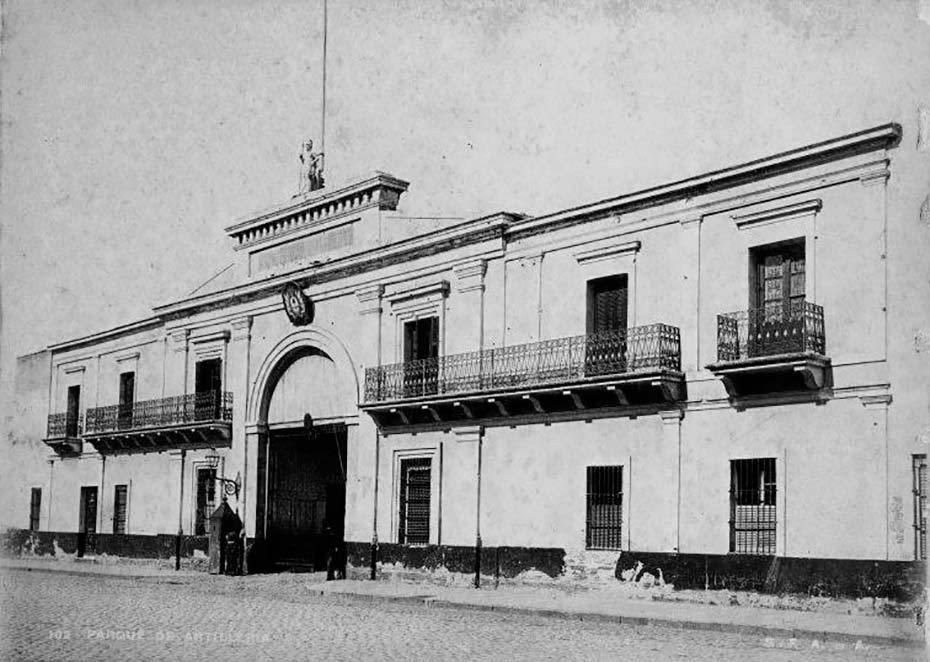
{"x": 306, "y": 398}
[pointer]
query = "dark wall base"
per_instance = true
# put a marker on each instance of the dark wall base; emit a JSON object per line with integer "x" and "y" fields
{"x": 835, "y": 578}
{"x": 507, "y": 562}
{"x": 159, "y": 546}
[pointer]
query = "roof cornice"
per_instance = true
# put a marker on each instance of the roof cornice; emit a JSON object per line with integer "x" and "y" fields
{"x": 880, "y": 137}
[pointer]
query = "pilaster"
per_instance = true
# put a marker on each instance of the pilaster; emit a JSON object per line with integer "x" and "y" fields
{"x": 469, "y": 285}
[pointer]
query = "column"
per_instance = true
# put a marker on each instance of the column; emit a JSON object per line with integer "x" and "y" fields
{"x": 362, "y": 493}
{"x": 469, "y": 284}
{"x": 689, "y": 259}
{"x": 236, "y": 369}
{"x": 475, "y": 435}
{"x": 176, "y": 363}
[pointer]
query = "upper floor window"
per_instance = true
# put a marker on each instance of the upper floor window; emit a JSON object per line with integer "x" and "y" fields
{"x": 127, "y": 395}
{"x": 777, "y": 275}
{"x": 208, "y": 385}
{"x": 74, "y": 411}
{"x": 421, "y": 343}
{"x": 607, "y": 304}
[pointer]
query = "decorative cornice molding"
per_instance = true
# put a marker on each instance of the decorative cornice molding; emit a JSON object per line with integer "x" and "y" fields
{"x": 369, "y": 299}
{"x": 608, "y": 252}
{"x": 470, "y": 275}
{"x": 876, "y": 401}
{"x": 766, "y": 216}
{"x": 877, "y": 175}
{"x": 689, "y": 221}
{"x": 671, "y": 416}
{"x": 213, "y": 336}
{"x": 468, "y": 433}
{"x": 73, "y": 369}
{"x": 432, "y": 290}
{"x": 241, "y": 327}
{"x": 127, "y": 357}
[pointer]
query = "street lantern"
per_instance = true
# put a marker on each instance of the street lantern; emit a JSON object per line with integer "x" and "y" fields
{"x": 230, "y": 486}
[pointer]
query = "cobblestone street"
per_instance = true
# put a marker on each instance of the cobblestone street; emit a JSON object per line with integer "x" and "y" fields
{"x": 71, "y": 617}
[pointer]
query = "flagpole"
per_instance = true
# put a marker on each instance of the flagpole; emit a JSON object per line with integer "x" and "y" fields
{"x": 323, "y": 113}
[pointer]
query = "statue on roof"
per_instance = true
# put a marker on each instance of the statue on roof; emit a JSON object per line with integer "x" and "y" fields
{"x": 311, "y": 169}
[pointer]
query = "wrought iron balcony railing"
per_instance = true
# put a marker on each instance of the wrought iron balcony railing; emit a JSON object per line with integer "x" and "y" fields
{"x": 645, "y": 348}
{"x": 788, "y": 328}
{"x": 162, "y": 412}
{"x": 64, "y": 426}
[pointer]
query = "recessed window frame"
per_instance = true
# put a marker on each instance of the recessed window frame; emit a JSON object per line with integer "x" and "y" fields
{"x": 604, "y": 487}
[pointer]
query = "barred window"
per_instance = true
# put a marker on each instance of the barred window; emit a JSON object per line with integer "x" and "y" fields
{"x": 415, "y": 476}
{"x": 752, "y": 506}
{"x": 605, "y": 507}
{"x": 206, "y": 500}
{"x": 120, "y": 507}
{"x": 920, "y": 507}
{"x": 35, "y": 507}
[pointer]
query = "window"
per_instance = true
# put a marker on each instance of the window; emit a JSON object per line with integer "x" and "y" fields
{"x": 605, "y": 346}
{"x": 206, "y": 500}
{"x": 127, "y": 395}
{"x": 421, "y": 343}
{"x": 752, "y": 506}
{"x": 777, "y": 291}
{"x": 605, "y": 507}
{"x": 208, "y": 385}
{"x": 415, "y": 477}
{"x": 35, "y": 508}
{"x": 74, "y": 411}
{"x": 920, "y": 507}
{"x": 120, "y": 507}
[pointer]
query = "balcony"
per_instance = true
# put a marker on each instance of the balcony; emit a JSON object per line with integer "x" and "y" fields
{"x": 196, "y": 420}
{"x": 64, "y": 433}
{"x": 606, "y": 373}
{"x": 773, "y": 349}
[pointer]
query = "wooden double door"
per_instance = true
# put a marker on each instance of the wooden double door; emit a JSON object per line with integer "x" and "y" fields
{"x": 87, "y": 521}
{"x": 306, "y": 496}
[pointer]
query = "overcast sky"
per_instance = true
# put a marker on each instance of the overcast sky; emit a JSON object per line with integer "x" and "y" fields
{"x": 133, "y": 132}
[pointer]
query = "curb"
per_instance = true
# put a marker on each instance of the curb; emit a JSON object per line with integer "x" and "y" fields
{"x": 86, "y": 573}
{"x": 821, "y": 636}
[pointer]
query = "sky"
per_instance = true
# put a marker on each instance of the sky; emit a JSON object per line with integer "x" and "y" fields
{"x": 133, "y": 132}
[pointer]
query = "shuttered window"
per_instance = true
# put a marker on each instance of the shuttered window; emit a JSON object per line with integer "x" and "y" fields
{"x": 414, "y": 516}
{"x": 752, "y": 506}
{"x": 920, "y": 507}
{"x": 605, "y": 507}
{"x": 35, "y": 508}
{"x": 74, "y": 411}
{"x": 127, "y": 395}
{"x": 607, "y": 304}
{"x": 120, "y": 507}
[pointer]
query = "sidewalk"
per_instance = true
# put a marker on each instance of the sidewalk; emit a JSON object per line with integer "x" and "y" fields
{"x": 608, "y": 604}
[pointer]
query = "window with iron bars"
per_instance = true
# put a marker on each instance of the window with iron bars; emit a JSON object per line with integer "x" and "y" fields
{"x": 35, "y": 508}
{"x": 920, "y": 507}
{"x": 605, "y": 507}
{"x": 413, "y": 520}
{"x": 752, "y": 506}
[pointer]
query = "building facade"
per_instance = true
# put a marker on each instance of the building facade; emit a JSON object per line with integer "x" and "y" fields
{"x": 720, "y": 372}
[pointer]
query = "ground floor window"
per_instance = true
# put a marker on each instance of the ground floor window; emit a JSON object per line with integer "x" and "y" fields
{"x": 120, "y": 507}
{"x": 604, "y": 507}
{"x": 920, "y": 507}
{"x": 414, "y": 515}
{"x": 752, "y": 506}
{"x": 35, "y": 508}
{"x": 206, "y": 500}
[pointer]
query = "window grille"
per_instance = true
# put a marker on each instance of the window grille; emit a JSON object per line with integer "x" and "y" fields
{"x": 752, "y": 506}
{"x": 206, "y": 500}
{"x": 414, "y": 501}
{"x": 35, "y": 507}
{"x": 605, "y": 507}
{"x": 920, "y": 507}
{"x": 120, "y": 503}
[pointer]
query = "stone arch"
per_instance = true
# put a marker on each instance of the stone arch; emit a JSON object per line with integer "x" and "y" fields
{"x": 297, "y": 344}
